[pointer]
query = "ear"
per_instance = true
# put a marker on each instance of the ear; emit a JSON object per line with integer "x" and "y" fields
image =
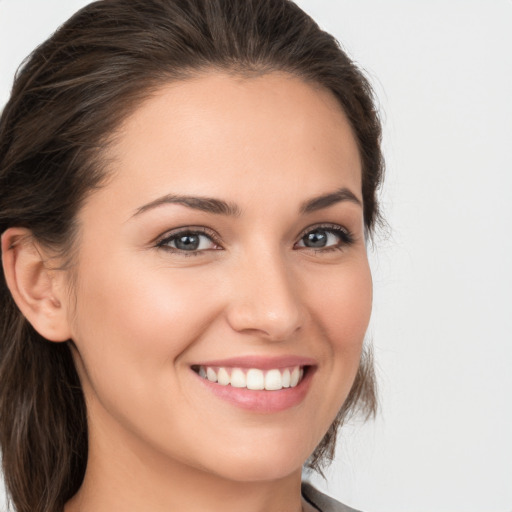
{"x": 39, "y": 291}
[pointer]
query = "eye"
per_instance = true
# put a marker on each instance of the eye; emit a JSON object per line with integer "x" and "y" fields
{"x": 325, "y": 237}
{"x": 188, "y": 241}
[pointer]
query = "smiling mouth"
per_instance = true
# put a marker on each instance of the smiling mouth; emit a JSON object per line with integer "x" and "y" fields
{"x": 253, "y": 378}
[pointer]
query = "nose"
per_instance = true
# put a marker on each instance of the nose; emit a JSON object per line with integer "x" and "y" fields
{"x": 265, "y": 299}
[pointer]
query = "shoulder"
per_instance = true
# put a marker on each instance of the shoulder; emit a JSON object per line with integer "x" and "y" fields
{"x": 323, "y": 502}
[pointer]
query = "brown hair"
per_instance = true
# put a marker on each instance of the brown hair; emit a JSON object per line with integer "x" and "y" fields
{"x": 67, "y": 99}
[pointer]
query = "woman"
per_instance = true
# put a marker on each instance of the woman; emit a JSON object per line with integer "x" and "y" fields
{"x": 186, "y": 193}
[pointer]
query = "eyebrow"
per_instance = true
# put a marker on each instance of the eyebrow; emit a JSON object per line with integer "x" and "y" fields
{"x": 220, "y": 207}
{"x": 205, "y": 204}
{"x": 326, "y": 200}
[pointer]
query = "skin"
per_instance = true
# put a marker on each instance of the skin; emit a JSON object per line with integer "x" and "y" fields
{"x": 140, "y": 315}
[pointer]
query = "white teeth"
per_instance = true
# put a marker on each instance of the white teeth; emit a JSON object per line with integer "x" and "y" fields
{"x": 273, "y": 380}
{"x": 294, "y": 377}
{"x": 286, "y": 378}
{"x": 223, "y": 377}
{"x": 211, "y": 375}
{"x": 253, "y": 378}
{"x": 238, "y": 379}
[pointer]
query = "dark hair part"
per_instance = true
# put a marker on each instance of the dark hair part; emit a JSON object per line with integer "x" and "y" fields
{"x": 67, "y": 100}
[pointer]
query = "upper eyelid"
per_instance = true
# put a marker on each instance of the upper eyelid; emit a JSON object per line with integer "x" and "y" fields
{"x": 324, "y": 225}
{"x": 187, "y": 229}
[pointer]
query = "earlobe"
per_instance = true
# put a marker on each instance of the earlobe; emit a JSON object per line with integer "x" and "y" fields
{"x": 37, "y": 290}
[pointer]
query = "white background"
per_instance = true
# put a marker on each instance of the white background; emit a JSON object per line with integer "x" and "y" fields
{"x": 442, "y": 319}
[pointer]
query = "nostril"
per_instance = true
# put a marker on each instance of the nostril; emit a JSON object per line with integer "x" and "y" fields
{"x": 259, "y": 321}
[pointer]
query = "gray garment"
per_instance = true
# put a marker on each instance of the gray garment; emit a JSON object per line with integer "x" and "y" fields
{"x": 323, "y": 502}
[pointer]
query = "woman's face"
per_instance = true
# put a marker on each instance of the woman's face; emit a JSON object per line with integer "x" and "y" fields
{"x": 228, "y": 245}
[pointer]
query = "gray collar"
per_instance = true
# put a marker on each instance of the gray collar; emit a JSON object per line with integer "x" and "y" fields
{"x": 321, "y": 501}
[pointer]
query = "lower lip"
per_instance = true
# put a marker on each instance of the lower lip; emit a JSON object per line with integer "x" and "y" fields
{"x": 261, "y": 401}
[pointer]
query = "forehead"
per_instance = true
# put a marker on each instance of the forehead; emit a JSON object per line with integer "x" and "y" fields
{"x": 219, "y": 133}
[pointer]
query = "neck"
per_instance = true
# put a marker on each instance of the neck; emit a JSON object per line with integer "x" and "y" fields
{"x": 121, "y": 475}
{"x": 184, "y": 490}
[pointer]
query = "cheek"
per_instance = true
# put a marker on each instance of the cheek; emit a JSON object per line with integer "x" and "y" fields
{"x": 343, "y": 304}
{"x": 136, "y": 319}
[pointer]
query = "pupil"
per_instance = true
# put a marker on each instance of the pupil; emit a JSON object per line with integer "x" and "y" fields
{"x": 317, "y": 238}
{"x": 187, "y": 242}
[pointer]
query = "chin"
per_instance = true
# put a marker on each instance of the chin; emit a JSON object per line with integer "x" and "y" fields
{"x": 261, "y": 464}
{"x": 250, "y": 471}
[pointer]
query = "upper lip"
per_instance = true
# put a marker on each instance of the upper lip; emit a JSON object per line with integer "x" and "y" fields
{"x": 261, "y": 362}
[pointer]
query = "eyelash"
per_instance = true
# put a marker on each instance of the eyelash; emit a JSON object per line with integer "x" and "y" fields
{"x": 174, "y": 235}
{"x": 345, "y": 237}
